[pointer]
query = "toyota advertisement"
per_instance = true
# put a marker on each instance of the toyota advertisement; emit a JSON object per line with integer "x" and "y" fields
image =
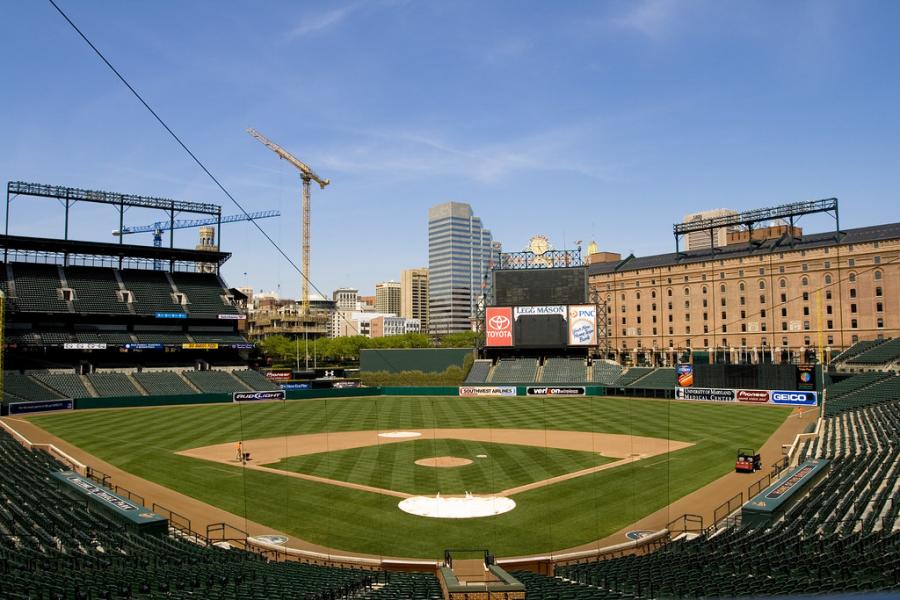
{"x": 498, "y": 326}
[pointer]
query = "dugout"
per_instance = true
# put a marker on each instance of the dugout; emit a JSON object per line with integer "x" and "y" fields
{"x": 135, "y": 517}
{"x": 771, "y": 503}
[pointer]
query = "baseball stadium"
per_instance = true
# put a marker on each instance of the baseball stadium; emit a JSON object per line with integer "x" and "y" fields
{"x": 149, "y": 454}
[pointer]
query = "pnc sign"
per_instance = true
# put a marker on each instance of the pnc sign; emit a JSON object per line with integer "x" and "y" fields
{"x": 498, "y": 330}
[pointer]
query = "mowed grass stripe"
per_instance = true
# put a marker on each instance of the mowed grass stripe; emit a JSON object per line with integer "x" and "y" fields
{"x": 566, "y": 514}
{"x": 507, "y": 465}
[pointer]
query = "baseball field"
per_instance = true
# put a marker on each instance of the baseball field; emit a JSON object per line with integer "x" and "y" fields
{"x": 332, "y": 471}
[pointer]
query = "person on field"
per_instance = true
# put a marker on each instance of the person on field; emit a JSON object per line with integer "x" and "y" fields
{"x": 239, "y": 448}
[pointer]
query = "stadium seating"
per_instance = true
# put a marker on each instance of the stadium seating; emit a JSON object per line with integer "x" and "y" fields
{"x": 67, "y": 384}
{"x": 844, "y": 536}
{"x": 112, "y": 384}
{"x": 605, "y": 372}
{"x": 255, "y": 380}
{"x": 151, "y": 290}
{"x": 883, "y": 353}
{"x": 51, "y": 547}
{"x": 22, "y": 338}
{"x": 216, "y": 381}
{"x": 855, "y": 349}
{"x": 632, "y": 375}
{"x": 658, "y": 379}
{"x": 95, "y": 290}
{"x": 564, "y": 370}
{"x": 205, "y": 294}
{"x": 55, "y": 336}
{"x": 479, "y": 371}
{"x": 217, "y": 338}
{"x": 515, "y": 370}
{"x": 37, "y": 288}
{"x": 163, "y": 383}
{"x": 407, "y": 586}
{"x": 881, "y": 389}
{"x": 24, "y": 387}
{"x": 161, "y": 337}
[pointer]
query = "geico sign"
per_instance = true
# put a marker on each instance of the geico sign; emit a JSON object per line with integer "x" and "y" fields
{"x": 782, "y": 397}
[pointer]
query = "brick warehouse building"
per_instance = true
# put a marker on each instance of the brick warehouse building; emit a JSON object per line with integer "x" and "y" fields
{"x": 779, "y": 297}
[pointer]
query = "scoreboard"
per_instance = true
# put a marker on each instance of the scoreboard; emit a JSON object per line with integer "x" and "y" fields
{"x": 540, "y": 287}
{"x": 542, "y": 326}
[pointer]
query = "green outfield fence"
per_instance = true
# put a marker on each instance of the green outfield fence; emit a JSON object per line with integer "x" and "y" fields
{"x": 135, "y": 401}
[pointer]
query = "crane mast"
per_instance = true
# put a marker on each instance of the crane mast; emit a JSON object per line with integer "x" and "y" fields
{"x": 307, "y": 175}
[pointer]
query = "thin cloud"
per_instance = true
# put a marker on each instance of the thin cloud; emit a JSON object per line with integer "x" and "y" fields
{"x": 322, "y": 21}
{"x": 649, "y": 17}
{"x": 414, "y": 154}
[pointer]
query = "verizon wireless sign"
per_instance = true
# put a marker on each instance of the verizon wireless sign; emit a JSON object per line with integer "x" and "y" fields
{"x": 556, "y": 391}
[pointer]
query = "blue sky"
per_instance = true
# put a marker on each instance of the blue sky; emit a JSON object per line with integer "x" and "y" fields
{"x": 577, "y": 120}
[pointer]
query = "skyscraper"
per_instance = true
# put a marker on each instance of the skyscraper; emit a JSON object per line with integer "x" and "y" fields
{"x": 459, "y": 257}
{"x": 414, "y": 296}
{"x": 700, "y": 240}
{"x": 387, "y": 297}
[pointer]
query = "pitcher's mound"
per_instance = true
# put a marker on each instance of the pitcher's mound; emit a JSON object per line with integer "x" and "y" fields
{"x": 443, "y": 461}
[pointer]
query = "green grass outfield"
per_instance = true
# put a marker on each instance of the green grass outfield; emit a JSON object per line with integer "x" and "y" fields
{"x": 392, "y": 466}
{"x": 577, "y": 511}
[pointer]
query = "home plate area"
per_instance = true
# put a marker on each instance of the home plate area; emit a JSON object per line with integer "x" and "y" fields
{"x": 443, "y": 473}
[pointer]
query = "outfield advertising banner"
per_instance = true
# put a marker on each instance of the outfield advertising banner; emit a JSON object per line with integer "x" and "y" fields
{"x": 475, "y": 391}
{"x": 295, "y": 386}
{"x": 279, "y": 375}
{"x": 806, "y": 377}
{"x": 755, "y": 396}
{"x": 785, "y": 397}
{"x": 498, "y": 326}
{"x": 794, "y": 398}
{"x": 684, "y": 375}
{"x": 254, "y": 396}
{"x": 199, "y": 346}
{"x": 556, "y": 391}
{"x": 583, "y": 325}
{"x": 84, "y": 346}
{"x": 24, "y": 408}
{"x": 144, "y": 346}
{"x": 520, "y": 311}
{"x": 706, "y": 394}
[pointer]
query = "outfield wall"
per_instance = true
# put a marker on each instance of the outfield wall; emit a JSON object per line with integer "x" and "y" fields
{"x": 449, "y": 391}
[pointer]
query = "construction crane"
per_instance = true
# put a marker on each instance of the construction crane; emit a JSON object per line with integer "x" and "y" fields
{"x": 307, "y": 175}
{"x": 160, "y": 226}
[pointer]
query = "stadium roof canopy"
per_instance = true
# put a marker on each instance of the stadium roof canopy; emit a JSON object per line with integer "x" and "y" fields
{"x": 46, "y": 248}
{"x": 860, "y": 235}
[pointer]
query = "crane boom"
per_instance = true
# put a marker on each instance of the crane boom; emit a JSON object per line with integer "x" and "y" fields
{"x": 189, "y": 223}
{"x": 305, "y": 170}
{"x": 307, "y": 175}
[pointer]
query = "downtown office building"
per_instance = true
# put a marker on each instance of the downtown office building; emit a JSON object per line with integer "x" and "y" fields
{"x": 460, "y": 251}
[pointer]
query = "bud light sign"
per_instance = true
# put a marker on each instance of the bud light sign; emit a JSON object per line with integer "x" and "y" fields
{"x": 252, "y": 396}
{"x": 498, "y": 326}
{"x": 794, "y": 398}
